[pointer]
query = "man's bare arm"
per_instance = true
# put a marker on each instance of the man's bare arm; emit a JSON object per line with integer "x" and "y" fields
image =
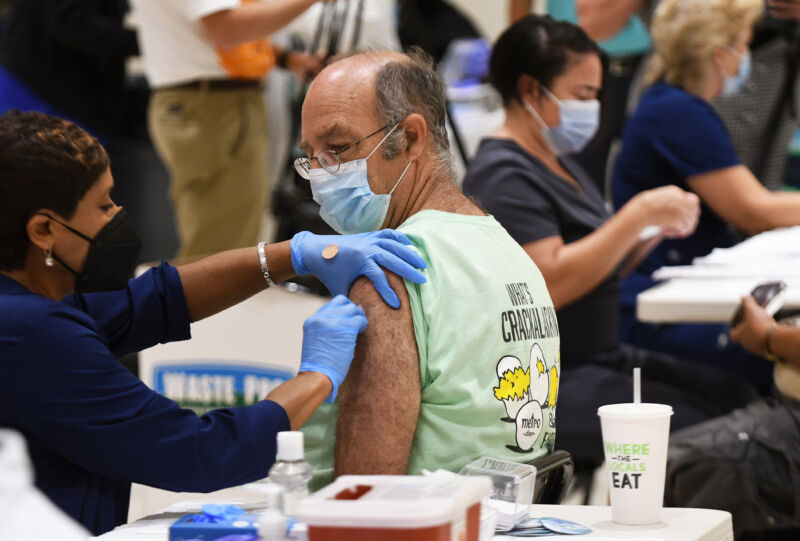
{"x": 379, "y": 400}
{"x": 602, "y": 19}
{"x": 517, "y": 9}
{"x": 255, "y": 20}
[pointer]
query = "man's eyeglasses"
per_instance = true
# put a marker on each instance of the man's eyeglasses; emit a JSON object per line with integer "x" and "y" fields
{"x": 329, "y": 159}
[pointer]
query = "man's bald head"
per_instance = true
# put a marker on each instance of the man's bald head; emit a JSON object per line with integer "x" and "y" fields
{"x": 358, "y": 69}
{"x": 387, "y": 86}
{"x": 350, "y": 82}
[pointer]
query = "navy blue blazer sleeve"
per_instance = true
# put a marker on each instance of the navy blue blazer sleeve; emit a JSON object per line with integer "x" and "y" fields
{"x": 69, "y": 391}
{"x": 150, "y": 310}
{"x": 98, "y": 415}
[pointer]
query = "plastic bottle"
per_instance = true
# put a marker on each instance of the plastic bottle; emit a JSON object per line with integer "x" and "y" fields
{"x": 291, "y": 471}
{"x": 272, "y": 522}
{"x": 272, "y": 525}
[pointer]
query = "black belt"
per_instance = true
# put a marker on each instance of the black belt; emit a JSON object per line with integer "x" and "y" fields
{"x": 219, "y": 84}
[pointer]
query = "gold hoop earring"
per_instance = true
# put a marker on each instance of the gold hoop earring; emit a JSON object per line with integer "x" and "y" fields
{"x": 48, "y": 258}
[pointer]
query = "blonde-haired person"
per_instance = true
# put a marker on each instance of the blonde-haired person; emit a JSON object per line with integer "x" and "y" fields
{"x": 760, "y": 118}
{"x": 692, "y": 37}
{"x": 676, "y": 137}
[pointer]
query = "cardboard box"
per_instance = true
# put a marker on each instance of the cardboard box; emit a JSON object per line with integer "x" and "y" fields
{"x": 188, "y": 527}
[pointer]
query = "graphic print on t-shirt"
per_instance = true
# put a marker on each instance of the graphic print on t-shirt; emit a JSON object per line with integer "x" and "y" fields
{"x": 528, "y": 395}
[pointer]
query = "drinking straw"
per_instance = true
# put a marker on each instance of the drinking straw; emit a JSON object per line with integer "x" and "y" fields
{"x": 637, "y": 385}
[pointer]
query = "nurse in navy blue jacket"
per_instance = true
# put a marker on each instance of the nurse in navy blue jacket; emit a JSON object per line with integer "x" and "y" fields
{"x": 67, "y": 312}
{"x": 676, "y": 137}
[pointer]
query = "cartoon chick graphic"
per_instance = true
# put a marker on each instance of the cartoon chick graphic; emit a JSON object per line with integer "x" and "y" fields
{"x": 514, "y": 384}
{"x": 540, "y": 378}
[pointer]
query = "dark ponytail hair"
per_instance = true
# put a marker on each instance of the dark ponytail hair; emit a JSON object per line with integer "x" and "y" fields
{"x": 538, "y": 46}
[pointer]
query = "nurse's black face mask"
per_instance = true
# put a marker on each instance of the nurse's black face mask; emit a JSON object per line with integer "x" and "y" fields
{"x": 111, "y": 258}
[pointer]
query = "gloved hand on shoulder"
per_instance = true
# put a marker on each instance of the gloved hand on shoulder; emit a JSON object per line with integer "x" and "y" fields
{"x": 356, "y": 255}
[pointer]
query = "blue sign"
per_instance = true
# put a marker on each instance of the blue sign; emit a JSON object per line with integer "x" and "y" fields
{"x": 206, "y": 384}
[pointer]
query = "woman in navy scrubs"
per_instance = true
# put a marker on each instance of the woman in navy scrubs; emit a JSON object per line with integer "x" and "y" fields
{"x": 67, "y": 311}
{"x": 676, "y": 137}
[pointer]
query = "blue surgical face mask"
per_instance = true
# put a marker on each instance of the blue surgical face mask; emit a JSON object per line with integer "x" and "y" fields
{"x": 734, "y": 83}
{"x": 578, "y": 122}
{"x": 347, "y": 203}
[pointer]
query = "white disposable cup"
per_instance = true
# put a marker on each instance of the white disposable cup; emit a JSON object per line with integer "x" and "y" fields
{"x": 635, "y": 440}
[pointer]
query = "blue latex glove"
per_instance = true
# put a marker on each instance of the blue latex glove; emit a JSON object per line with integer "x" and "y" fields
{"x": 358, "y": 254}
{"x": 329, "y": 340}
{"x": 214, "y": 513}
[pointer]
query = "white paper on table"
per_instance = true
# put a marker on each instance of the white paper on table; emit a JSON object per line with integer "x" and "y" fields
{"x": 196, "y": 506}
{"x": 775, "y": 244}
{"x": 159, "y": 528}
{"x": 503, "y": 537}
{"x": 760, "y": 270}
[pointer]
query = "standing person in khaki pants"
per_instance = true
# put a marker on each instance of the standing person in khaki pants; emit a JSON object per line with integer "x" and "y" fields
{"x": 206, "y": 60}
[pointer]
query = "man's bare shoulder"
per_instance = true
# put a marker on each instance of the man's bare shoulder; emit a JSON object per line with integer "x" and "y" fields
{"x": 363, "y": 293}
{"x": 382, "y": 388}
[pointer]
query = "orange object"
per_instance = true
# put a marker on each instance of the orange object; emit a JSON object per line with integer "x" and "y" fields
{"x": 396, "y": 508}
{"x": 251, "y": 60}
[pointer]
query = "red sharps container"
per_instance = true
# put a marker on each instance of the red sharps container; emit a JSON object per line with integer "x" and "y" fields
{"x": 396, "y": 508}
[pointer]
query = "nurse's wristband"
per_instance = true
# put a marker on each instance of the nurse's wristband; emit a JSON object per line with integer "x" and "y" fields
{"x": 262, "y": 257}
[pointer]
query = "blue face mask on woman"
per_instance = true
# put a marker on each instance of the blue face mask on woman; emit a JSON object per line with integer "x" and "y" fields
{"x": 347, "y": 203}
{"x": 734, "y": 83}
{"x": 578, "y": 122}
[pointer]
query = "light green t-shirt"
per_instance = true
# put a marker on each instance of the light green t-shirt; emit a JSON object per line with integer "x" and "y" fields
{"x": 488, "y": 343}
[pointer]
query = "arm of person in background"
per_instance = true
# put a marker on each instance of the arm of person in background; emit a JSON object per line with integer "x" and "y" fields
{"x": 643, "y": 249}
{"x": 379, "y": 402}
{"x": 753, "y": 331}
{"x": 252, "y": 20}
{"x": 744, "y": 202}
{"x": 602, "y": 19}
{"x": 303, "y": 65}
{"x": 784, "y": 9}
{"x": 572, "y": 270}
{"x": 83, "y": 27}
{"x": 517, "y": 9}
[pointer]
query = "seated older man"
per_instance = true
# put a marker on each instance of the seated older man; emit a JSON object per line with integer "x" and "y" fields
{"x": 469, "y": 365}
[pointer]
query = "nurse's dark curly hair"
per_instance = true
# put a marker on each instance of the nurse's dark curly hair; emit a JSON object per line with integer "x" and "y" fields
{"x": 45, "y": 163}
{"x": 539, "y": 46}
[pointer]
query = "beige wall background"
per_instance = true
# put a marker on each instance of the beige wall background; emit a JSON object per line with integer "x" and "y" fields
{"x": 491, "y": 16}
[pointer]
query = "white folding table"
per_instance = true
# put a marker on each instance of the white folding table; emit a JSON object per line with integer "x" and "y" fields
{"x": 709, "y": 290}
{"x": 676, "y": 525}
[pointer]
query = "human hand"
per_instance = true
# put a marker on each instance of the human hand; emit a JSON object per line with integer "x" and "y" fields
{"x": 784, "y": 9}
{"x": 305, "y": 66}
{"x": 329, "y": 340}
{"x": 675, "y": 210}
{"x": 751, "y": 333}
{"x": 359, "y": 254}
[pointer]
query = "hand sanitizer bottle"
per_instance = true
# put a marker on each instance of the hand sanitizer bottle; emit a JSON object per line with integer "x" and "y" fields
{"x": 272, "y": 526}
{"x": 271, "y": 522}
{"x": 291, "y": 471}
